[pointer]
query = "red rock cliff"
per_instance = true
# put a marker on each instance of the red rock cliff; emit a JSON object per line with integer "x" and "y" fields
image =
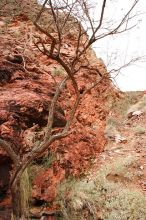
{"x": 26, "y": 89}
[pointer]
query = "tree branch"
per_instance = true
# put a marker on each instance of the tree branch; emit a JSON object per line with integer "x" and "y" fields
{"x": 8, "y": 148}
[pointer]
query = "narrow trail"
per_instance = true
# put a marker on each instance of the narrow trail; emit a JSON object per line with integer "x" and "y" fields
{"x": 126, "y": 139}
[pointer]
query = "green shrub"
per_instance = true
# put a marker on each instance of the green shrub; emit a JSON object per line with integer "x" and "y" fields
{"x": 139, "y": 130}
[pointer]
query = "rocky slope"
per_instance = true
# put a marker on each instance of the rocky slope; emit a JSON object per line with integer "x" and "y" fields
{"x": 27, "y": 84}
{"x": 115, "y": 186}
{"x": 127, "y": 125}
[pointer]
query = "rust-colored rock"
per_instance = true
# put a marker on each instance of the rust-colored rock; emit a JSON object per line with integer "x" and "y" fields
{"x": 24, "y": 102}
{"x": 27, "y": 88}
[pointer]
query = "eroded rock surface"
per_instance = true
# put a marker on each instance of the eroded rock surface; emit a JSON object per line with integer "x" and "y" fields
{"x": 26, "y": 89}
{"x": 24, "y": 102}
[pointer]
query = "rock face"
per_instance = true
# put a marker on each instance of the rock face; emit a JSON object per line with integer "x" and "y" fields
{"x": 27, "y": 87}
{"x": 24, "y": 102}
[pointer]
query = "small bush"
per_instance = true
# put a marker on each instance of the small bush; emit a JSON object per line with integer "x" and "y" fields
{"x": 58, "y": 71}
{"x": 121, "y": 106}
{"x": 101, "y": 197}
{"x": 127, "y": 204}
{"x": 139, "y": 106}
{"x": 112, "y": 122}
{"x": 139, "y": 130}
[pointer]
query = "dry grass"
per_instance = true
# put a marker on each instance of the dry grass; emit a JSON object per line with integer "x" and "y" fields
{"x": 139, "y": 130}
{"x": 139, "y": 106}
{"x": 59, "y": 71}
{"x": 121, "y": 106}
{"x": 104, "y": 197}
{"x": 25, "y": 191}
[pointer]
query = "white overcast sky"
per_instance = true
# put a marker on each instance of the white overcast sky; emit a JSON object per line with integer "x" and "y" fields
{"x": 117, "y": 50}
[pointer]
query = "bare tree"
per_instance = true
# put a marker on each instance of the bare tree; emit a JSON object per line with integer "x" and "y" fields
{"x": 62, "y": 19}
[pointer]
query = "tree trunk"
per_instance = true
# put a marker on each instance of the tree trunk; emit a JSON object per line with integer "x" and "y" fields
{"x": 20, "y": 191}
{"x": 16, "y": 201}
